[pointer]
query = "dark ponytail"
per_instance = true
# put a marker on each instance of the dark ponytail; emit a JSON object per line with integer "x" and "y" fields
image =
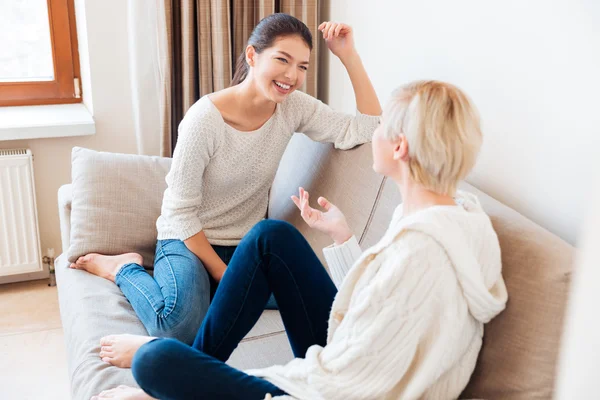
{"x": 264, "y": 35}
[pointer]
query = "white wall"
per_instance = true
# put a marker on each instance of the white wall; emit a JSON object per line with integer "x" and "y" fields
{"x": 108, "y": 82}
{"x": 532, "y": 68}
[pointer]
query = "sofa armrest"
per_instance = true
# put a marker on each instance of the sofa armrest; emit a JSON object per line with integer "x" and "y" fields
{"x": 65, "y": 198}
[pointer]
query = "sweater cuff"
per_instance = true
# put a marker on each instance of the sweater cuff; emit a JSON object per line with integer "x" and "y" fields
{"x": 341, "y": 258}
{"x": 190, "y": 229}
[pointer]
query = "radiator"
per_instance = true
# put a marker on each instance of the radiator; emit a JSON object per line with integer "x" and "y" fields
{"x": 19, "y": 234}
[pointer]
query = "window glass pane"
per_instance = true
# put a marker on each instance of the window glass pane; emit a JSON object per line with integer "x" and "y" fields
{"x": 25, "y": 46}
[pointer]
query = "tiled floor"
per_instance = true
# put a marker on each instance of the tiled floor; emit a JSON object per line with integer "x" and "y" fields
{"x": 33, "y": 364}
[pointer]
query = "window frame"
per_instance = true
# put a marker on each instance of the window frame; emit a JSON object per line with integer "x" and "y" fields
{"x": 66, "y": 86}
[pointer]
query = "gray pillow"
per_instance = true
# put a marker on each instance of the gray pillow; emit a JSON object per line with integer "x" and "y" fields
{"x": 116, "y": 201}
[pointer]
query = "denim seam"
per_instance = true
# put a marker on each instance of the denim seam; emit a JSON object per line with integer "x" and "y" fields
{"x": 174, "y": 282}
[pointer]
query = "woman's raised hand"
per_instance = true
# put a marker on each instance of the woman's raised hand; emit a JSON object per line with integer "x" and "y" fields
{"x": 331, "y": 222}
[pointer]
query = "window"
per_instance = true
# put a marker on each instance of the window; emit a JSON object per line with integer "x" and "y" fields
{"x": 39, "y": 62}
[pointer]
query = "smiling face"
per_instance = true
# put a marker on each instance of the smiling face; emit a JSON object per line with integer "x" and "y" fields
{"x": 280, "y": 69}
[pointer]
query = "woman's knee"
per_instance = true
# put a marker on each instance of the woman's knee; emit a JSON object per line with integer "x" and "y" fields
{"x": 274, "y": 229}
{"x": 149, "y": 361}
{"x": 183, "y": 328}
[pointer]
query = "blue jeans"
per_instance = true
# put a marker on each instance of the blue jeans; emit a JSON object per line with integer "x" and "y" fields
{"x": 273, "y": 258}
{"x": 174, "y": 302}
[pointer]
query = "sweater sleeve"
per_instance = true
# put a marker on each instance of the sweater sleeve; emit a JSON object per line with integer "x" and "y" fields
{"x": 321, "y": 123}
{"x": 195, "y": 145}
{"x": 341, "y": 258}
{"x": 401, "y": 334}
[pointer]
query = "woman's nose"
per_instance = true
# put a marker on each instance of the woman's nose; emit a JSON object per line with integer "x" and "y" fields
{"x": 290, "y": 73}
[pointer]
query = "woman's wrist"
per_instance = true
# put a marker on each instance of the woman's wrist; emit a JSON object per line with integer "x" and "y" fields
{"x": 218, "y": 273}
{"x": 351, "y": 59}
{"x": 339, "y": 238}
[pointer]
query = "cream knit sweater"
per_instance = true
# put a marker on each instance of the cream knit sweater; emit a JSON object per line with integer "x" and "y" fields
{"x": 220, "y": 177}
{"x": 407, "y": 322}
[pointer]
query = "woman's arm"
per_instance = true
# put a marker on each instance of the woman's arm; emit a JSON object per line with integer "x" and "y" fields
{"x": 364, "y": 92}
{"x": 183, "y": 196}
{"x": 340, "y": 40}
{"x": 323, "y": 124}
{"x": 199, "y": 245}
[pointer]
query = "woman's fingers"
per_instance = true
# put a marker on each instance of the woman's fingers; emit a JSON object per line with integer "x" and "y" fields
{"x": 302, "y": 196}
{"x": 332, "y": 29}
{"x": 338, "y": 29}
{"x": 326, "y": 31}
{"x": 306, "y": 204}
{"x": 302, "y": 201}
{"x": 323, "y": 202}
{"x": 296, "y": 202}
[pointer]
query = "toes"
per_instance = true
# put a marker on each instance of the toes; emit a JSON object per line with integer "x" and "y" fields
{"x": 73, "y": 266}
{"x": 108, "y": 360}
{"x": 106, "y": 354}
{"x": 107, "y": 340}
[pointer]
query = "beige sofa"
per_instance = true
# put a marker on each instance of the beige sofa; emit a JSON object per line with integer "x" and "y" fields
{"x": 518, "y": 359}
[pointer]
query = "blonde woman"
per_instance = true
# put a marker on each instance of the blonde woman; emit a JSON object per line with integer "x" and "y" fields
{"x": 402, "y": 320}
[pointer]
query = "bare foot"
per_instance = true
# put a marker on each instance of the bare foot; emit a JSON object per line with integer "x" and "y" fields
{"x": 119, "y": 350}
{"x": 123, "y": 393}
{"x": 105, "y": 266}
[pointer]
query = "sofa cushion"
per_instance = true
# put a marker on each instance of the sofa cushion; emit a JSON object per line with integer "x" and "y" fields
{"x": 520, "y": 346}
{"x": 116, "y": 201}
{"x": 520, "y": 349}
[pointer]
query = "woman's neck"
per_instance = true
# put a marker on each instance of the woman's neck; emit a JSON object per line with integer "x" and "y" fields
{"x": 251, "y": 100}
{"x": 415, "y": 198}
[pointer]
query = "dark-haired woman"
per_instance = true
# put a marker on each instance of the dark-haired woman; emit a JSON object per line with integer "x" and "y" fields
{"x": 229, "y": 146}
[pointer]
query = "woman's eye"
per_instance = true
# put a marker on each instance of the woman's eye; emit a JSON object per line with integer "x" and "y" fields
{"x": 304, "y": 67}
{"x": 282, "y": 59}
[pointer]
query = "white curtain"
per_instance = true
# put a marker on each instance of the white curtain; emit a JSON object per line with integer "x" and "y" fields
{"x": 144, "y": 73}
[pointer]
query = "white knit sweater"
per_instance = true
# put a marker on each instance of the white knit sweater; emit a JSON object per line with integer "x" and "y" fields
{"x": 220, "y": 177}
{"x": 407, "y": 322}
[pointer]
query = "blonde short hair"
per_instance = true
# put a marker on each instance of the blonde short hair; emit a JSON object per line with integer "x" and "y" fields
{"x": 443, "y": 132}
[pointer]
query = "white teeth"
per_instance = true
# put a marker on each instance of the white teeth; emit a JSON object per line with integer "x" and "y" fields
{"x": 282, "y": 85}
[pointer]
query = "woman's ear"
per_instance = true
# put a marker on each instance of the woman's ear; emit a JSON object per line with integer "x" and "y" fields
{"x": 401, "y": 148}
{"x": 250, "y": 55}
